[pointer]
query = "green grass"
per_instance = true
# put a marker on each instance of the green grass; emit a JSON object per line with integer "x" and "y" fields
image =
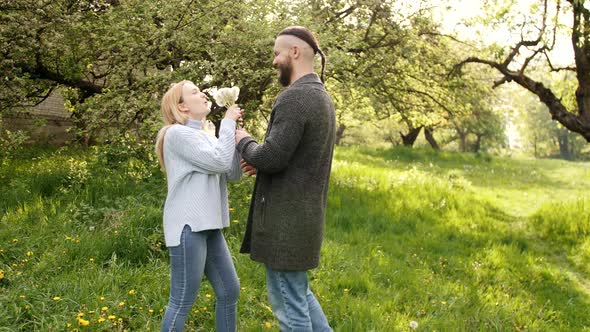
{"x": 455, "y": 242}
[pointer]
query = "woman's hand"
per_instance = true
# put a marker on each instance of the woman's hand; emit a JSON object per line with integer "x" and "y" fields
{"x": 234, "y": 112}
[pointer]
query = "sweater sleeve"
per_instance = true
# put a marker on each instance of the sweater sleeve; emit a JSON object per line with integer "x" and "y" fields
{"x": 286, "y": 131}
{"x": 215, "y": 159}
{"x": 235, "y": 173}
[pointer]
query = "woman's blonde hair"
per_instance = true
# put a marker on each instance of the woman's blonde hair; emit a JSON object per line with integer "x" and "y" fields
{"x": 171, "y": 115}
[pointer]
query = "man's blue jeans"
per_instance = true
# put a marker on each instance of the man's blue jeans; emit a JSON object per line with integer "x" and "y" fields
{"x": 293, "y": 303}
{"x": 201, "y": 252}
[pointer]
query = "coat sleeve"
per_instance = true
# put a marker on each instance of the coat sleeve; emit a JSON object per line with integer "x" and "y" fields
{"x": 287, "y": 128}
{"x": 215, "y": 159}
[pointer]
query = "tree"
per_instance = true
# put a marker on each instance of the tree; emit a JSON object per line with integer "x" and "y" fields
{"x": 535, "y": 43}
{"x": 115, "y": 59}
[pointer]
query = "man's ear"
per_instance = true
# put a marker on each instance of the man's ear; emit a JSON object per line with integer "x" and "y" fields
{"x": 296, "y": 51}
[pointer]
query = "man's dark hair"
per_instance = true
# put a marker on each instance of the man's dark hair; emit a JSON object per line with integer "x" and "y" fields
{"x": 307, "y": 36}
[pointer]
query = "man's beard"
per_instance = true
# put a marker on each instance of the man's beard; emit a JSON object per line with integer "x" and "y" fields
{"x": 285, "y": 71}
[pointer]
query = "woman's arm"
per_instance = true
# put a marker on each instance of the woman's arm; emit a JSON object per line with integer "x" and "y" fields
{"x": 192, "y": 148}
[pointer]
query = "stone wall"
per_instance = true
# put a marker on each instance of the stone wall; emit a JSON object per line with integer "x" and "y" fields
{"x": 46, "y": 123}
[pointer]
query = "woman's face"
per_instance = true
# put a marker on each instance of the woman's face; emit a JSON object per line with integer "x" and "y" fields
{"x": 195, "y": 102}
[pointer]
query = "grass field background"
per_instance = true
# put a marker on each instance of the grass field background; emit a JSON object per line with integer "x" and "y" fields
{"x": 453, "y": 242}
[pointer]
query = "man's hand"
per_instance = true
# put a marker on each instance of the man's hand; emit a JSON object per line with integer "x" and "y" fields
{"x": 248, "y": 169}
{"x": 240, "y": 134}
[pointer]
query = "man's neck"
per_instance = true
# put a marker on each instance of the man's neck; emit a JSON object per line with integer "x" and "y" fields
{"x": 299, "y": 74}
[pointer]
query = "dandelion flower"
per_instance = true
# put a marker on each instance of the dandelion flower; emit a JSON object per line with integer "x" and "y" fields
{"x": 236, "y": 221}
{"x": 208, "y": 295}
{"x": 29, "y": 253}
{"x": 14, "y": 240}
{"x": 414, "y": 325}
{"x": 103, "y": 309}
{"x": 80, "y": 314}
{"x": 22, "y": 297}
{"x": 112, "y": 317}
{"x": 101, "y": 319}
{"x": 102, "y": 298}
{"x": 83, "y": 322}
{"x": 121, "y": 304}
{"x": 91, "y": 260}
{"x": 443, "y": 302}
{"x": 346, "y": 290}
{"x": 56, "y": 298}
{"x": 69, "y": 325}
{"x": 132, "y": 292}
{"x": 1, "y": 274}
{"x": 151, "y": 311}
{"x": 268, "y": 325}
{"x": 27, "y": 307}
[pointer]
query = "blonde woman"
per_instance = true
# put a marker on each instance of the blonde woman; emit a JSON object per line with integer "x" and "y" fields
{"x": 197, "y": 167}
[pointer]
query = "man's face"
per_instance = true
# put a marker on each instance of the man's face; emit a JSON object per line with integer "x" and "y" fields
{"x": 283, "y": 62}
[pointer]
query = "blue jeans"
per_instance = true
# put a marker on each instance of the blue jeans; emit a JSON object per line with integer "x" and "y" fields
{"x": 293, "y": 303}
{"x": 201, "y": 252}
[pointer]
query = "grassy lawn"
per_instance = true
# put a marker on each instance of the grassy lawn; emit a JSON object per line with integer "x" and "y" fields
{"x": 454, "y": 242}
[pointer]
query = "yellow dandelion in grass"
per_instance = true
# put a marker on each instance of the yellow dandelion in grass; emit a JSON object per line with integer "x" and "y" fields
{"x": 132, "y": 292}
{"x": 1, "y": 274}
{"x": 121, "y": 304}
{"x": 101, "y": 319}
{"x": 208, "y": 295}
{"x": 22, "y": 297}
{"x": 14, "y": 240}
{"x": 14, "y": 265}
{"x": 443, "y": 302}
{"x": 116, "y": 232}
{"x": 103, "y": 309}
{"x": 83, "y": 322}
{"x": 27, "y": 307}
{"x": 91, "y": 260}
{"x": 120, "y": 320}
{"x": 112, "y": 317}
{"x": 268, "y": 325}
{"x": 1, "y": 251}
{"x": 231, "y": 210}
{"x": 151, "y": 311}
{"x": 69, "y": 325}
{"x": 80, "y": 314}
{"x": 235, "y": 221}
{"x": 91, "y": 312}
{"x": 346, "y": 290}
{"x": 56, "y": 298}
{"x": 102, "y": 298}
{"x": 29, "y": 253}
{"x": 161, "y": 310}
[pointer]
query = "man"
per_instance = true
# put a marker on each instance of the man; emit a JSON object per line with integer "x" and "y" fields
{"x": 287, "y": 213}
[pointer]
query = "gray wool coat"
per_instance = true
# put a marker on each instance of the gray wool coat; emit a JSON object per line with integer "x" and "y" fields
{"x": 287, "y": 213}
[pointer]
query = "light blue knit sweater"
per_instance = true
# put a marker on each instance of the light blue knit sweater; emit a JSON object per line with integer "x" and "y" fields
{"x": 198, "y": 166}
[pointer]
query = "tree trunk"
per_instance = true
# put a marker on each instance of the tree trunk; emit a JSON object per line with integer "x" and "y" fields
{"x": 430, "y": 138}
{"x": 339, "y": 133}
{"x": 410, "y": 138}
{"x": 564, "y": 146}
{"x": 477, "y": 144}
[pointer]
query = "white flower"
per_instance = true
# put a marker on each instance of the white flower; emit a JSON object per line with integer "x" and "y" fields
{"x": 225, "y": 97}
{"x": 414, "y": 324}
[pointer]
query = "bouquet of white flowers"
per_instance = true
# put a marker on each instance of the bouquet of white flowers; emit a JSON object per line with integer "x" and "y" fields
{"x": 225, "y": 97}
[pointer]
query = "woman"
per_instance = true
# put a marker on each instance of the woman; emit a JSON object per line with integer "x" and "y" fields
{"x": 197, "y": 166}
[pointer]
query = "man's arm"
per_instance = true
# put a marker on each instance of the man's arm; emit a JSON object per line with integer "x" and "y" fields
{"x": 281, "y": 142}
